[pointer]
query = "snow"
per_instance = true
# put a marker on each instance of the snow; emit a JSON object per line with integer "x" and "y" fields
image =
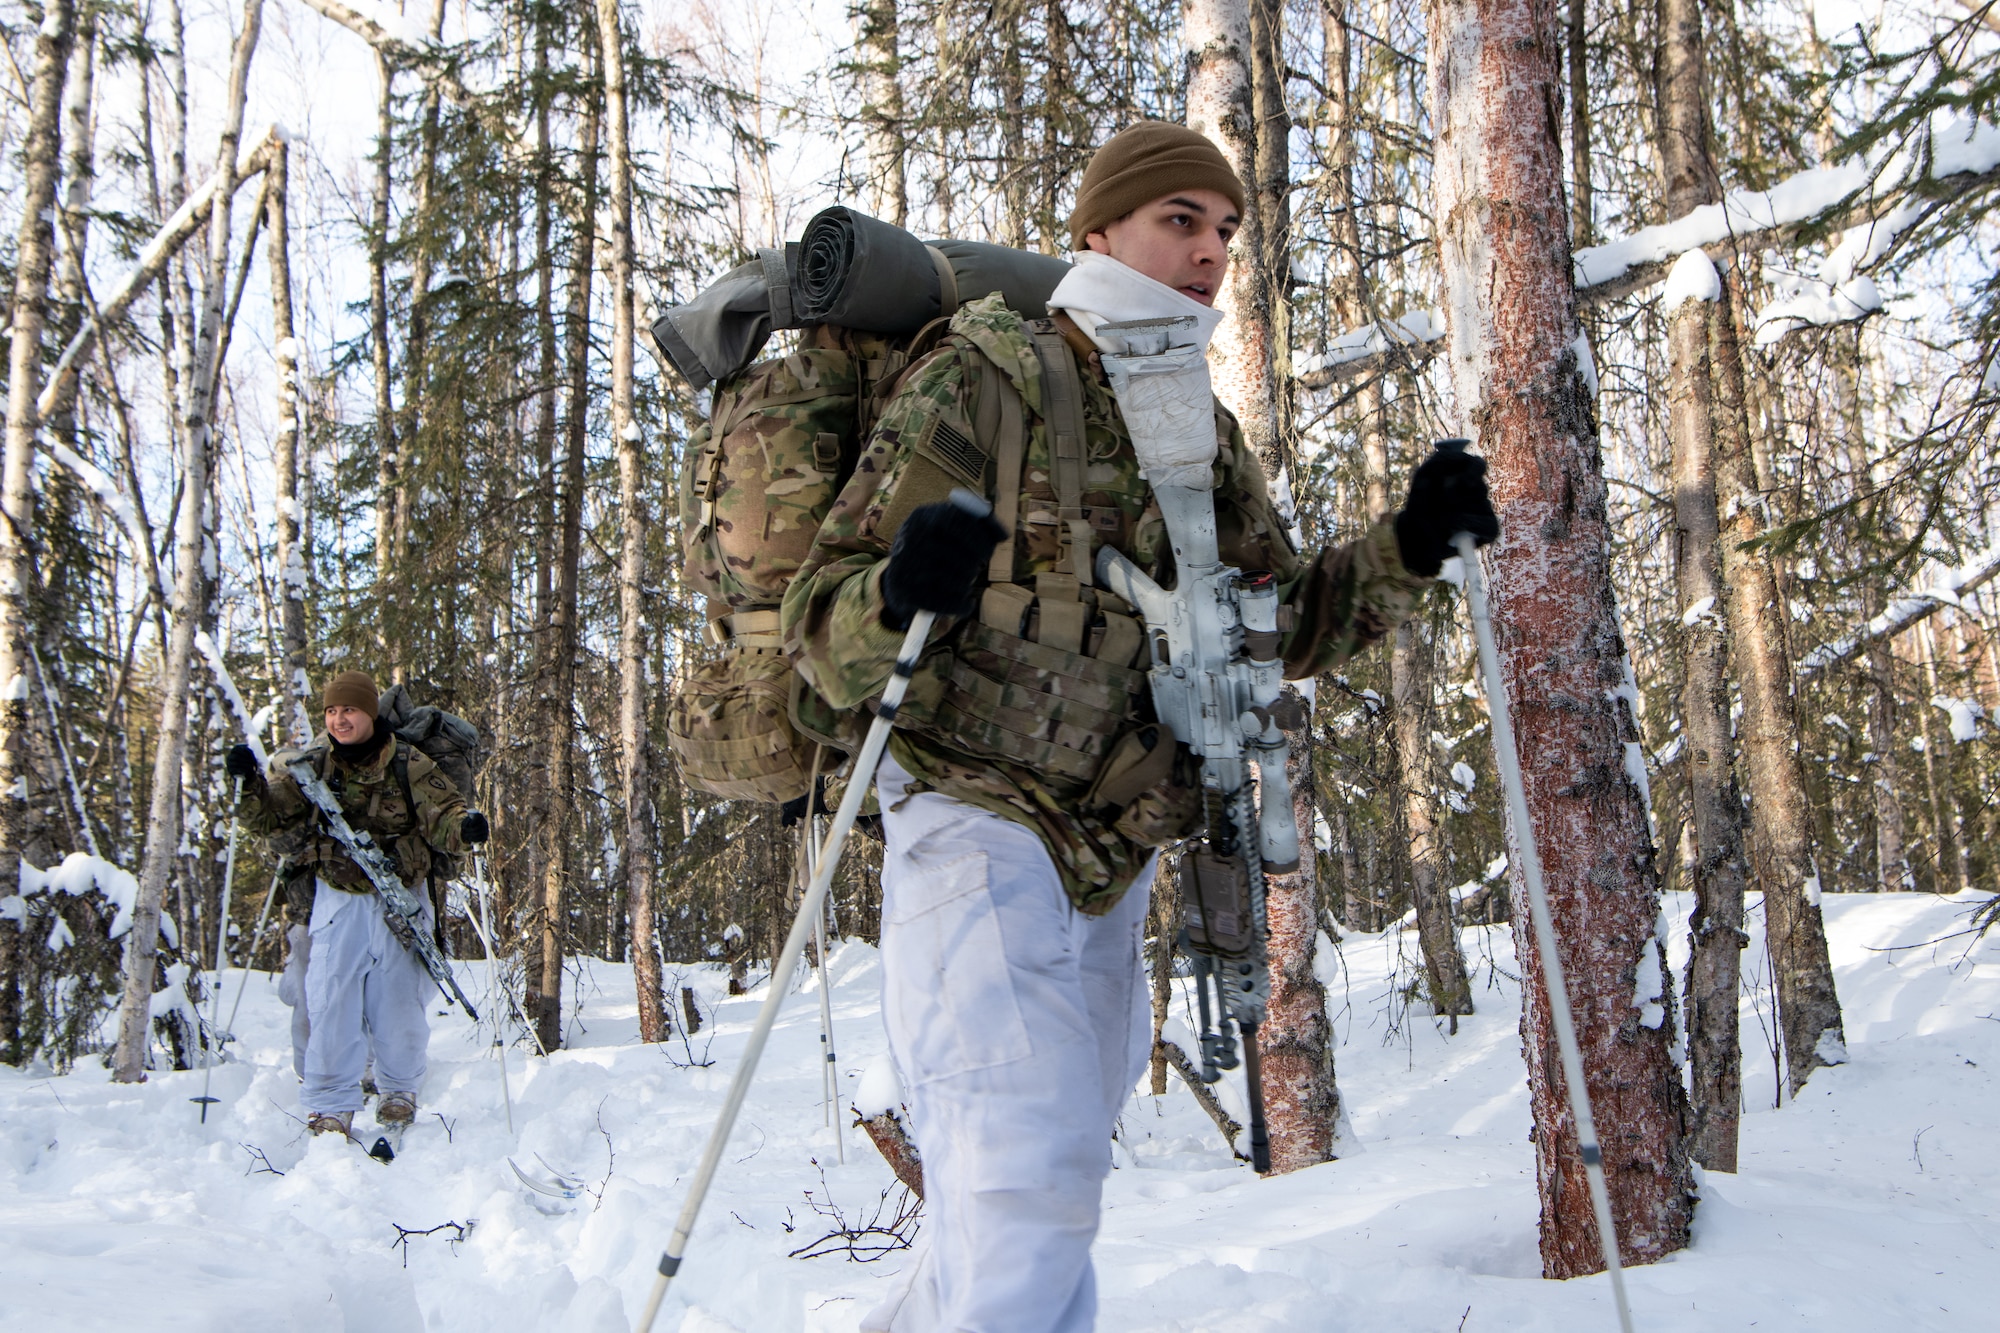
{"x": 233, "y": 697}
{"x": 1964, "y": 714}
{"x": 1418, "y": 326}
{"x": 1699, "y": 611}
{"x": 79, "y": 873}
{"x": 1816, "y": 303}
{"x": 1866, "y": 1203}
{"x": 1692, "y": 278}
{"x": 15, "y": 688}
{"x": 1906, "y": 609}
{"x": 1586, "y": 364}
{"x": 879, "y": 1090}
{"x": 1462, "y": 774}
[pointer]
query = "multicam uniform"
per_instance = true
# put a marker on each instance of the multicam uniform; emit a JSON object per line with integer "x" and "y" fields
{"x": 1013, "y": 986}
{"x": 361, "y": 982}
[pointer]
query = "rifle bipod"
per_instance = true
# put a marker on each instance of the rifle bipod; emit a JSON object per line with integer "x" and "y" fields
{"x": 1218, "y": 1045}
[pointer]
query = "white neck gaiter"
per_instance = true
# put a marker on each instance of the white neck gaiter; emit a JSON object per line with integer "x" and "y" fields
{"x": 1100, "y": 290}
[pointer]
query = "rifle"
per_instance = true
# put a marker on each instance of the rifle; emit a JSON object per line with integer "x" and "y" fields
{"x": 1216, "y": 679}
{"x": 401, "y": 906}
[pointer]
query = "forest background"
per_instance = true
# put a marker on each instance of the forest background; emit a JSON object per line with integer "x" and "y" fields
{"x": 385, "y": 412}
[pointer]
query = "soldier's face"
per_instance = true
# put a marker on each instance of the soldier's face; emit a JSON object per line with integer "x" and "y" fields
{"x": 348, "y": 724}
{"x": 1180, "y": 239}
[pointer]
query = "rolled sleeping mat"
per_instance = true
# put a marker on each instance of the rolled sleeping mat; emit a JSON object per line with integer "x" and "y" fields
{"x": 862, "y": 273}
{"x": 852, "y": 270}
{"x": 723, "y": 328}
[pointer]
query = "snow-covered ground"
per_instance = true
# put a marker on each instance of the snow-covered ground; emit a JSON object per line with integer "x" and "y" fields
{"x": 1869, "y": 1204}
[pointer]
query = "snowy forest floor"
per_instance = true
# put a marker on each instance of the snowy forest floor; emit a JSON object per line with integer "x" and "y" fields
{"x": 1870, "y": 1203}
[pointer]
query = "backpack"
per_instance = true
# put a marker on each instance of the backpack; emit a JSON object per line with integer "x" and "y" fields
{"x": 781, "y": 440}
{"x": 447, "y": 740}
{"x": 757, "y": 480}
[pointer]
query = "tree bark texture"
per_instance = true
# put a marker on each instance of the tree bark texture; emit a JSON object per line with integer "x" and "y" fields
{"x": 882, "y": 109}
{"x": 633, "y": 734}
{"x": 561, "y": 718}
{"x": 898, "y": 1149}
{"x": 1295, "y": 1042}
{"x": 1781, "y": 829}
{"x": 1412, "y": 671}
{"x": 290, "y": 505}
{"x": 1576, "y": 33}
{"x": 1515, "y": 352}
{"x": 163, "y": 828}
{"x": 34, "y": 255}
{"x": 1715, "y": 804}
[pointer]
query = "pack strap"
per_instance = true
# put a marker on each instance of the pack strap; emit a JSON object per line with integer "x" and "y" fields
{"x": 1062, "y": 404}
{"x": 778, "y": 285}
{"x": 747, "y": 629}
{"x": 947, "y": 282}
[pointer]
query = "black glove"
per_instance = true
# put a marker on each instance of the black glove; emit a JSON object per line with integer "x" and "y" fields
{"x": 1447, "y": 496}
{"x": 792, "y": 811}
{"x": 474, "y": 831}
{"x": 936, "y": 561}
{"x": 242, "y": 763}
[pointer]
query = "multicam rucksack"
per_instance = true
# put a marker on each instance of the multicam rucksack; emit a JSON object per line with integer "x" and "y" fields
{"x": 758, "y": 480}
{"x": 447, "y": 740}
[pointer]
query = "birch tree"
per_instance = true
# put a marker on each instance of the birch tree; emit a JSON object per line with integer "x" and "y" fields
{"x": 163, "y": 828}
{"x": 1523, "y": 381}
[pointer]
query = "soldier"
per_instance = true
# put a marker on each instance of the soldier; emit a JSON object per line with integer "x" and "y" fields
{"x": 1019, "y": 860}
{"x": 362, "y": 984}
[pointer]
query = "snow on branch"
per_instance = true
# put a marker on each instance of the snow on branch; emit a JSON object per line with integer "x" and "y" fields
{"x": 1903, "y": 612}
{"x": 1957, "y": 156}
{"x": 175, "y": 232}
{"x": 230, "y": 695}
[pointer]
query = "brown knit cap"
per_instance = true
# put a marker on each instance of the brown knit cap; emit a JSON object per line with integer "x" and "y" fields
{"x": 1144, "y": 162}
{"x": 356, "y": 689}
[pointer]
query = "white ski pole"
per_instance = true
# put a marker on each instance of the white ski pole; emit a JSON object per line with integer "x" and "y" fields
{"x": 256, "y": 943}
{"x": 1538, "y": 909}
{"x": 493, "y": 986}
{"x": 831, "y": 1082}
{"x": 221, "y": 954}
{"x": 858, "y": 782}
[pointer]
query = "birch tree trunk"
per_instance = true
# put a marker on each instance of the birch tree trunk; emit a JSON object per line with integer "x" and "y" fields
{"x": 291, "y": 554}
{"x": 388, "y": 508}
{"x": 163, "y": 829}
{"x": 1715, "y": 1053}
{"x": 1689, "y": 178}
{"x": 1514, "y": 352}
{"x": 561, "y": 718}
{"x": 1236, "y": 99}
{"x": 633, "y": 735}
{"x": 34, "y": 253}
{"x": 882, "y": 109}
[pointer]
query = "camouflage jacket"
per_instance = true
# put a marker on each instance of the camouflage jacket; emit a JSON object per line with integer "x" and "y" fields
{"x": 1341, "y": 600}
{"x": 409, "y": 825}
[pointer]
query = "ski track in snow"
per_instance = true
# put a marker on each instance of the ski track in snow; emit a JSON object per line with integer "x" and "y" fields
{"x": 1867, "y": 1204}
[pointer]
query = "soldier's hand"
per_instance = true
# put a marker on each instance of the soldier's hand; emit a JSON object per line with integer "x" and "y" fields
{"x": 473, "y": 830}
{"x": 1447, "y": 496}
{"x": 936, "y": 562}
{"x": 242, "y": 763}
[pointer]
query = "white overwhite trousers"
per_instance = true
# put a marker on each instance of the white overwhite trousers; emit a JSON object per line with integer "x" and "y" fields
{"x": 1019, "y": 1026}
{"x": 361, "y": 983}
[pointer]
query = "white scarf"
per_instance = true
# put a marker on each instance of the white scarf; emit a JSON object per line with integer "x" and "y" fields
{"x": 1100, "y": 290}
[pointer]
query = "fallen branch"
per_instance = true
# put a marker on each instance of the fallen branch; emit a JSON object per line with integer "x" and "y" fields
{"x": 1204, "y": 1095}
{"x": 898, "y": 1149}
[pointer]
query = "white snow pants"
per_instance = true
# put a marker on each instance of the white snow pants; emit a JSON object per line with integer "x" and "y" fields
{"x": 1019, "y": 1026}
{"x": 361, "y": 983}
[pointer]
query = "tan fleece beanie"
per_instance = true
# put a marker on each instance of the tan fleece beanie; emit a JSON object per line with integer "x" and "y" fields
{"x": 356, "y": 689}
{"x": 1144, "y": 162}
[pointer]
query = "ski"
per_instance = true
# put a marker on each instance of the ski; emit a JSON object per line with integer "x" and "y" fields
{"x": 403, "y": 907}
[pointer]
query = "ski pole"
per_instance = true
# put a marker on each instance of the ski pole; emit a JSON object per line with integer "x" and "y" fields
{"x": 858, "y": 782}
{"x": 831, "y": 1081}
{"x": 492, "y": 986}
{"x": 221, "y": 954}
{"x": 256, "y": 942}
{"x": 1538, "y": 909}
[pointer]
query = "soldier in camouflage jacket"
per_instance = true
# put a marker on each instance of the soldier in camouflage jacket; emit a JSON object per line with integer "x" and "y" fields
{"x": 361, "y": 982}
{"x": 1017, "y": 869}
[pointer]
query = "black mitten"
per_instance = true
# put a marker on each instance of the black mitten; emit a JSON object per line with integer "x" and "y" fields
{"x": 241, "y": 763}
{"x": 472, "y": 830}
{"x": 936, "y": 561}
{"x": 1447, "y": 496}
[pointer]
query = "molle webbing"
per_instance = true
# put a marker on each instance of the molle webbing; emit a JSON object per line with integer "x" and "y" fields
{"x": 1062, "y": 410}
{"x": 1034, "y": 705}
